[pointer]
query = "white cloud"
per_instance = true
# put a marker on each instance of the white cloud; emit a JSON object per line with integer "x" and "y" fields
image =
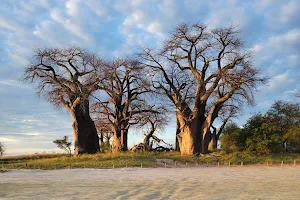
{"x": 278, "y": 48}
{"x": 264, "y": 4}
{"x": 289, "y": 39}
{"x": 289, "y": 11}
{"x": 33, "y": 134}
{"x": 28, "y": 150}
{"x": 8, "y": 140}
{"x": 8, "y": 24}
{"x": 281, "y": 81}
{"x": 281, "y": 15}
{"x": 293, "y": 60}
{"x": 257, "y": 48}
{"x": 99, "y": 8}
{"x": 72, "y": 7}
{"x": 155, "y": 28}
{"x": 194, "y": 5}
{"x": 135, "y": 19}
{"x": 137, "y": 3}
{"x": 169, "y": 8}
{"x": 69, "y": 24}
{"x": 224, "y": 17}
{"x": 51, "y": 34}
{"x": 13, "y": 83}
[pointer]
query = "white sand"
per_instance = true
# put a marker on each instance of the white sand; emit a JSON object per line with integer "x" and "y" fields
{"x": 247, "y": 182}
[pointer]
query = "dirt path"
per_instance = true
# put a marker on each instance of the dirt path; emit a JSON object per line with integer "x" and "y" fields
{"x": 247, "y": 182}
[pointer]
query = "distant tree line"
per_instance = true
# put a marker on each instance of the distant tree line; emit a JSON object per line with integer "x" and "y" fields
{"x": 201, "y": 75}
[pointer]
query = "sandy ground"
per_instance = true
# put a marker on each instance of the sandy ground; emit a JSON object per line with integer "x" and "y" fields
{"x": 247, "y": 182}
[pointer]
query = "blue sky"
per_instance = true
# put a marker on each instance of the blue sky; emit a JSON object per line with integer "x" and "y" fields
{"x": 113, "y": 28}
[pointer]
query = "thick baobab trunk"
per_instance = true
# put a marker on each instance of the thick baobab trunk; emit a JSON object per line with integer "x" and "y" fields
{"x": 117, "y": 141}
{"x": 116, "y": 146}
{"x": 188, "y": 138}
{"x": 86, "y": 139}
{"x": 120, "y": 140}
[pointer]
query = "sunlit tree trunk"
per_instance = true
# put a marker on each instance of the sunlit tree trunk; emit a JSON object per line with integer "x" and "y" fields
{"x": 189, "y": 139}
{"x": 120, "y": 138}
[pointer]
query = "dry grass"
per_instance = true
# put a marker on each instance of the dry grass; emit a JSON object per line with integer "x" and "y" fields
{"x": 144, "y": 159}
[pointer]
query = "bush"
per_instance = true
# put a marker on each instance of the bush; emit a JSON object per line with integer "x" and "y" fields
{"x": 230, "y": 138}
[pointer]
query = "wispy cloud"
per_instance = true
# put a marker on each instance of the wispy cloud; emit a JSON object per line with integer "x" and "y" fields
{"x": 13, "y": 83}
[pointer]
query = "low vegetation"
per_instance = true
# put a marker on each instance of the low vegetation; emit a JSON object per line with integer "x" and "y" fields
{"x": 276, "y": 131}
{"x": 142, "y": 159}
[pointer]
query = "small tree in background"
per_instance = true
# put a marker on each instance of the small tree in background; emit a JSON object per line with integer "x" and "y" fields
{"x": 64, "y": 144}
{"x": 2, "y": 149}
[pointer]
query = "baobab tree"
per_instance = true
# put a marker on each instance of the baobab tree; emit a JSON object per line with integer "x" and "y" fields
{"x": 220, "y": 69}
{"x": 68, "y": 77}
{"x": 126, "y": 85}
{"x": 181, "y": 82}
{"x": 151, "y": 122}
